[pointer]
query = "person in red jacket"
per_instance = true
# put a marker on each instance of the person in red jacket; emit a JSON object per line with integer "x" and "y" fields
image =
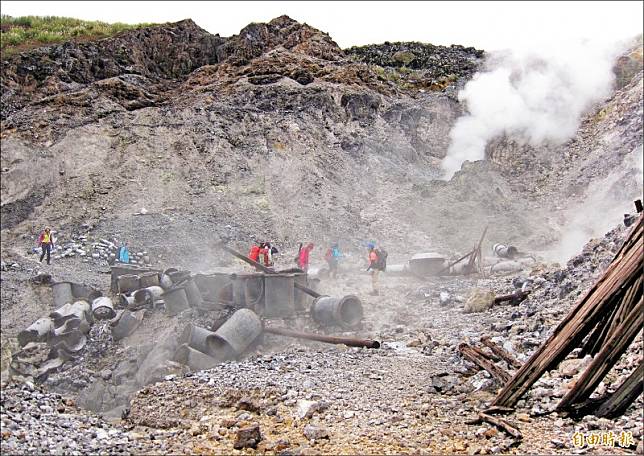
{"x": 303, "y": 262}
{"x": 254, "y": 252}
{"x": 46, "y": 241}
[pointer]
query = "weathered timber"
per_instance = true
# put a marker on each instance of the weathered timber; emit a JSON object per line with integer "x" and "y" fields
{"x": 590, "y": 308}
{"x": 496, "y": 410}
{"x": 491, "y": 356}
{"x": 623, "y": 303}
{"x": 453, "y": 263}
{"x": 477, "y": 252}
{"x": 500, "y": 352}
{"x": 501, "y": 424}
{"x": 483, "y": 362}
{"x": 606, "y": 358}
{"x": 515, "y": 297}
{"x": 617, "y": 403}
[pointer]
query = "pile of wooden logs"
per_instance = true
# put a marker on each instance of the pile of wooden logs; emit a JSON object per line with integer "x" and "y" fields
{"x": 604, "y": 322}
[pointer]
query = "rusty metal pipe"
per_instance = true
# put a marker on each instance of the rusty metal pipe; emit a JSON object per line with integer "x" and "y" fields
{"x": 266, "y": 270}
{"x": 348, "y": 341}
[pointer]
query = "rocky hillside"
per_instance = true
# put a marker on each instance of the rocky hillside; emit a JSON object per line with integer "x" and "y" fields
{"x": 275, "y": 132}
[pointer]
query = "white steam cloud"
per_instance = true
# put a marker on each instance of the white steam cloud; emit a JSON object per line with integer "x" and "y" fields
{"x": 534, "y": 96}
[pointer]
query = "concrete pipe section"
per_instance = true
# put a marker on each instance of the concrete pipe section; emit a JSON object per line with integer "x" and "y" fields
{"x": 81, "y": 291}
{"x": 345, "y": 312}
{"x": 200, "y": 339}
{"x": 424, "y": 264}
{"x": 80, "y": 310}
{"x": 126, "y": 323}
{"x": 236, "y": 334}
{"x": 62, "y": 292}
{"x": 165, "y": 281}
{"x": 39, "y": 331}
{"x": 149, "y": 279}
{"x": 192, "y": 292}
{"x": 128, "y": 283}
{"x": 124, "y": 300}
{"x": 175, "y": 300}
{"x": 145, "y": 297}
{"x": 194, "y": 359}
{"x": 103, "y": 308}
{"x": 210, "y": 285}
{"x": 504, "y": 251}
{"x": 248, "y": 290}
{"x": 123, "y": 269}
{"x": 279, "y": 295}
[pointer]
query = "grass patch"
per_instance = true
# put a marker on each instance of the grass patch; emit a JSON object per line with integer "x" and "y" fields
{"x": 19, "y": 34}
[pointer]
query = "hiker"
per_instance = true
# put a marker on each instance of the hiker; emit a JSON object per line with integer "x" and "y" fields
{"x": 332, "y": 258}
{"x": 268, "y": 251}
{"x": 254, "y": 252}
{"x": 124, "y": 254}
{"x": 377, "y": 263}
{"x": 46, "y": 241}
{"x": 303, "y": 261}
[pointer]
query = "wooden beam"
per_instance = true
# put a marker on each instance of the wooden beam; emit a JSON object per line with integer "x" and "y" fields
{"x": 617, "y": 403}
{"x": 606, "y": 358}
{"x": 501, "y": 424}
{"x": 500, "y": 352}
{"x": 590, "y": 308}
{"x": 494, "y": 370}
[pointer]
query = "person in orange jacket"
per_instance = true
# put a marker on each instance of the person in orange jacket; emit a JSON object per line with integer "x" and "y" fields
{"x": 46, "y": 241}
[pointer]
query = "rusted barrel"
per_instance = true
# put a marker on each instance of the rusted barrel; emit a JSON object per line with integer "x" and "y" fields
{"x": 504, "y": 251}
{"x": 128, "y": 283}
{"x": 236, "y": 334}
{"x": 345, "y": 312}
{"x": 62, "y": 292}
{"x": 175, "y": 300}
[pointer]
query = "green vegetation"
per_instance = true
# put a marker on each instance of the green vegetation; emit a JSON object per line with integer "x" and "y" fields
{"x": 26, "y": 32}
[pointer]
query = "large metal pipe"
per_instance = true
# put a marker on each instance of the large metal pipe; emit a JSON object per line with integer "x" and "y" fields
{"x": 236, "y": 334}
{"x": 345, "y": 312}
{"x": 266, "y": 270}
{"x": 348, "y": 341}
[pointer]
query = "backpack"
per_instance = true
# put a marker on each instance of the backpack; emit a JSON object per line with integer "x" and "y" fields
{"x": 382, "y": 259}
